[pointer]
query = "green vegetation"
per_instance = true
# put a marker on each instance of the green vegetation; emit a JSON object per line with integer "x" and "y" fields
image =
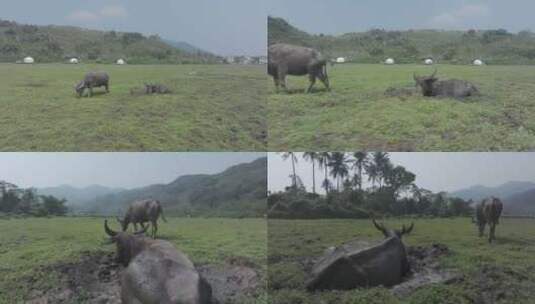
{"x": 357, "y": 114}
{"x": 14, "y": 200}
{"x": 60, "y": 43}
{"x": 29, "y": 248}
{"x": 392, "y": 190}
{"x": 499, "y": 273}
{"x": 457, "y": 47}
{"x": 239, "y": 191}
{"x": 212, "y": 107}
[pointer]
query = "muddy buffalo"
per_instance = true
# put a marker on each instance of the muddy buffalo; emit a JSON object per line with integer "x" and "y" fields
{"x": 350, "y": 266}
{"x": 141, "y": 212}
{"x": 93, "y": 80}
{"x": 286, "y": 59}
{"x": 488, "y": 212}
{"x": 432, "y": 87}
{"x": 156, "y": 272}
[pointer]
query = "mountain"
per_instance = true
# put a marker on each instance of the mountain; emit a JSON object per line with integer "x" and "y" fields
{"x": 54, "y": 43}
{"x": 186, "y": 47}
{"x": 412, "y": 46}
{"x": 522, "y": 203}
{"x": 240, "y": 190}
{"x": 78, "y": 196}
{"x": 479, "y": 192}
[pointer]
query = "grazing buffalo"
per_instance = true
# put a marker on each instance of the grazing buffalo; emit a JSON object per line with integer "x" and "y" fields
{"x": 286, "y": 59}
{"x": 350, "y": 266}
{"x": 455, "y": 88}
{"x": 156, "y": 272}
{"x": 488, "y": 212}
{"x": 93, "y": 80}
{"x": 141, "y": 212}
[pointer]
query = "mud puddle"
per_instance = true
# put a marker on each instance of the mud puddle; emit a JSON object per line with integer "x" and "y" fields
{"x": 95, "y": 279}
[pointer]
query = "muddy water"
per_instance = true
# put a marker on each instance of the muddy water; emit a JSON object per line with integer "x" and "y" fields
{"x": 95, "y": 279}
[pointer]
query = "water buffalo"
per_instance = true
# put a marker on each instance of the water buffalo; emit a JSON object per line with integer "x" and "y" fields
{"x": 156, "y": 272}
{"x": 141, "y": 212}
{"x": 455, "y": 88}
{"x": 286, "y": 59}
{"x": 93, "y": 80}
{"x": 488, "y": 212}
{"x": 351, "y": 266}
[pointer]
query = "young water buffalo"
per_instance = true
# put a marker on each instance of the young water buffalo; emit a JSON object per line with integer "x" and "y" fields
{"x": 156, "y": 272}
{"x": 455, "y": 88}
{"x": 93, "y": 80}
{"x": 488, "y": 212}
{"x": 143, "y": 211}
{"x": 286, "y": 59}
{"x": 350, "y": 266}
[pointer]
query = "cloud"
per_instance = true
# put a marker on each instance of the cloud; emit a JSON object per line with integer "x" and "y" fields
{"x": 467, "y": 14}
{"x": 110, "y": 11}
{"x": 82, "y": 16}
{"x": 114, "y": 11}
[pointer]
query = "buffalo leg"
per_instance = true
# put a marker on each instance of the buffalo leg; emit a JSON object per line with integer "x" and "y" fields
{"x": 492, "y": 227}
{"x": 281, "y": 76}
{"x": 312, "y": 79}
{"x": 135, "y": 227}
{"x": 276, "y": 81}
{"x": 481, "y": 229}
{"x": 107, "y": 88}
{"x": 325, "y": 80}
{"x": 154, "y": 229}
{"x": 90, "y": 91}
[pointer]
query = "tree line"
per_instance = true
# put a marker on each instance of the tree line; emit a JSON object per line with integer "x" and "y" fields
{"x": 15, "y": 200}
{"x": 359, "y": 184}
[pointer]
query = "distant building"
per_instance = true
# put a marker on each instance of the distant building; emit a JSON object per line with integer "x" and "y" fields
{"x": 28, "y": 60}
{"x": 121, "y": 61}
{"x": 478, "y": 62}
{"x": 390, "y": 61}
{"x": 428, "y": 61}
{"x": 74, "y": 60}
{"x": 229, "y": 59}
{"x": 263, "y": 60}
{"x": 340, "y": 60}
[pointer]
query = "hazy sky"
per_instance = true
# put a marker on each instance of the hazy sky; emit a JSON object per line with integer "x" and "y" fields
{"x": 126, "y": 170}
{"x": 225, "y": 27}
{"x": 434, "y": 171}
{"x": 342, "y": 16}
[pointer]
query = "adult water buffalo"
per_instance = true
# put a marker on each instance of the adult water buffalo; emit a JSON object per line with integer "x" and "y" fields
{"x": 488, "y": 212}
{"x": 349, "y": 266}
{"x": 93, "y": 80}
{"x": 455, "y": 88}
{"x": 141, "y": 212}
{"x": 286, "y": 59}
{"x": 156, "y": 272}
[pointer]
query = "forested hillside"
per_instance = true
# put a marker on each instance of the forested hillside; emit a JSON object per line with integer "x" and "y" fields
{"x": 457, "y": 47}
{"x": 59, "y": 43}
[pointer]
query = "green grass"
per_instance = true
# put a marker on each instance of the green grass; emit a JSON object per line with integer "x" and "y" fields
{"x": 356, "y": 114}
{"x": 26, "y": 244}
{"x": 291, "y": 241}
{"x": 213, "y": 107}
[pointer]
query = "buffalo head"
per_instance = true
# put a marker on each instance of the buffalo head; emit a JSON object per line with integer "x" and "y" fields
{"x": 393, "y": 232}
{"x": 79, "y": 88}
{"x": 426, "y": 82}
{"x": 125, "y": 243}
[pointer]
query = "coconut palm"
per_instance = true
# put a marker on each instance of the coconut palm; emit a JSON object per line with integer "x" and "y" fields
{"x": 359, "y": 163}
{"x": 381, "y": 161}
{"x": 339, "y": 168}
{"x": 312, "y": 156}
{"x": 293, "y": 158}
{"x": 323, "y": 162}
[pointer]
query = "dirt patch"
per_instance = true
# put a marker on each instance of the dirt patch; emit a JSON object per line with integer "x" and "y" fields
{"x": 403, "y": 93}
{"x": 95, "y": 279}
{"x": 425, "y": 269}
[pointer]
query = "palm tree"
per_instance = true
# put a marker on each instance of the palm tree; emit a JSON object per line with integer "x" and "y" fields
{"x": 360, "y": 162}
{"x": 323, "y": 162}
{"x": 312, "y": 156}
{"x": 339, "y": 168}
{"x": 381, "y": 161}
{"x": 292, "y": 156}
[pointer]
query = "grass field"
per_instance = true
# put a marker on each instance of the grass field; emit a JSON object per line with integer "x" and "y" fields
{"x": 357, "y": 114}
{"x": 213, "y": 107}
{"x": 504, "y": 269}
{"x": 26, "y": 245}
